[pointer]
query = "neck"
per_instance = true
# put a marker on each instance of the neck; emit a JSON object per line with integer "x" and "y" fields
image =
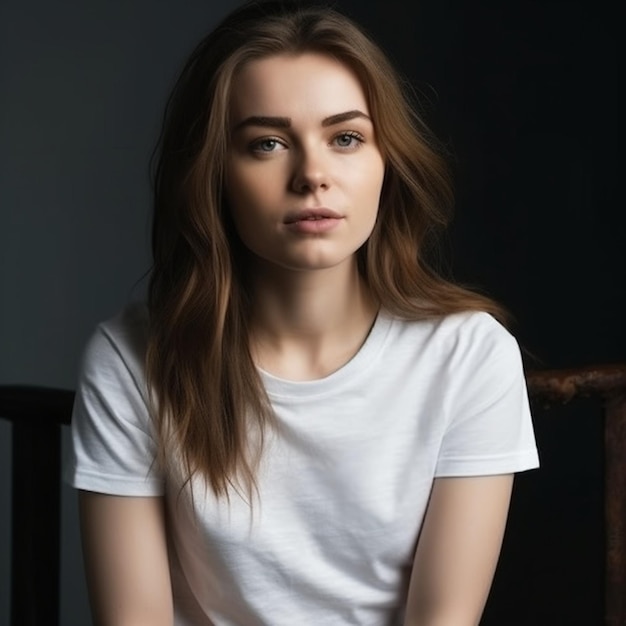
{"x": 305, "y": 325}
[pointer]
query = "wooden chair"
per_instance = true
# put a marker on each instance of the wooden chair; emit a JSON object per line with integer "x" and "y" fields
{"x": 37, "y": 415}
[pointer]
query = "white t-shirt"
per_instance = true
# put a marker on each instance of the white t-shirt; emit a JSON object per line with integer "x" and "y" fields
{"x": 344, "y": 480}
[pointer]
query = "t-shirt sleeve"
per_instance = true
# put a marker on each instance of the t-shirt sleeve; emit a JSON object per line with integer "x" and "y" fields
{"x": 490, "y": 429}
{"x": 113, "y": 445}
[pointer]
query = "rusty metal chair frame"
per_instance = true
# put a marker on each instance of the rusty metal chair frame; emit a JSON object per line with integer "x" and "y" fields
{"x": 606, "y": 383}
{"x": 37, "y": 414}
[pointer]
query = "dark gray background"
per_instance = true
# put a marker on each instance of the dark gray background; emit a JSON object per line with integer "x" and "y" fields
{"x": 527, "y": 95}
{"x": 82, "y": 91}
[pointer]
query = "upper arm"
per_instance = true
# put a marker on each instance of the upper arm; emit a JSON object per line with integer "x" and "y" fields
{"x": 126, "y": 560}
{"x": 458, "y": 550}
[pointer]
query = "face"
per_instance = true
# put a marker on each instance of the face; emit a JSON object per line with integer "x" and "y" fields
{"x": 304, "y": 172}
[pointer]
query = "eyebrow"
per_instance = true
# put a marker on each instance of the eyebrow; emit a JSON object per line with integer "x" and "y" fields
{"x": 285, "y": 122}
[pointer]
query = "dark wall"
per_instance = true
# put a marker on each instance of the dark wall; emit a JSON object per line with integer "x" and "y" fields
{"x": 82, "y": 91}
{"x": 526, "y": 95}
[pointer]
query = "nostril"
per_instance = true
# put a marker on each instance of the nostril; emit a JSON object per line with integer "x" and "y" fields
{"x": 309, "y": 183}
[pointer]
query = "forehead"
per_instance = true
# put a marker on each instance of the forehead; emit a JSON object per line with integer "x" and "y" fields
{"x": 303, "y": 84}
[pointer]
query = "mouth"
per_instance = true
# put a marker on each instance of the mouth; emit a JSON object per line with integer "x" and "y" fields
{"x": 312, "y": 215}
{"x": 317, "y": 221}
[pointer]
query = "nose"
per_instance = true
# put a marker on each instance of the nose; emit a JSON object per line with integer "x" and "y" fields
{"x": 311, "y": 171}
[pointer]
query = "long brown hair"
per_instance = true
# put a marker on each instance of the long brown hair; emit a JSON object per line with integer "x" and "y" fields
{"x": 199, "y": 366}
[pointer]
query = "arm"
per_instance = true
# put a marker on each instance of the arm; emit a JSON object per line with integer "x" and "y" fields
{"x": 458, "y": 550}
{"x": 126, "y": 562}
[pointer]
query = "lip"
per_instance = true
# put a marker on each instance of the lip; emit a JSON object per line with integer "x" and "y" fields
{"x": 318, "y": 213}
{"x": 312, "y": 221}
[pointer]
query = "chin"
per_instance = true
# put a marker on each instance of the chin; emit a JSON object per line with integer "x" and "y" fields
{"x": 311, "y": 264}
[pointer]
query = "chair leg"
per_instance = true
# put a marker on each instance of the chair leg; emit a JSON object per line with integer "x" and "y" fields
{"x": 36, "y": 525}
{"x": 615, "y": 511}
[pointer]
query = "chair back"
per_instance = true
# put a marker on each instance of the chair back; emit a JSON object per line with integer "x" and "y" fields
{"x": 606, "y": 384}
{"x": 36, "y": 415}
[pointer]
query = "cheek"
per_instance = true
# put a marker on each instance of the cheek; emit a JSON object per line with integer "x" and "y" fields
{"x": 374, "y": 187}
{"x": 251, "y": 198}
{"x": 249, "y": 189}
{"x": 370, "y": 183}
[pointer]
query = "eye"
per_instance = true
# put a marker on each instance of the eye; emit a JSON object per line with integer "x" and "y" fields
{"x": 267, "y": 145}
{"x": 348, "y": 140}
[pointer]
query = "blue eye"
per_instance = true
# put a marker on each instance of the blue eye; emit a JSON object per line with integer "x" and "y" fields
{"x": 266, "y": 145}
{"x": 348, "y": 140}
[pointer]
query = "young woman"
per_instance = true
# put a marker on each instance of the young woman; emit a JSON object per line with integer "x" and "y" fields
{"x": 306, "y": 424}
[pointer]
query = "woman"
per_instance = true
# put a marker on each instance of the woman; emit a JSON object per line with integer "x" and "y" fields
{"x": 306, "y": 424}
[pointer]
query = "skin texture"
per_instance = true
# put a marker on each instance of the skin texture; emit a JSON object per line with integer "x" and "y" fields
{"x": 312, "y": 313}
{"x": 306, "y": 159}
{"x": 126, "y": 562}
{"x": 458, "y": 550}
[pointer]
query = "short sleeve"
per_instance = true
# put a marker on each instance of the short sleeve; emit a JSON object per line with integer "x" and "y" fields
{"x": 113, "y": 445}
{"x": 490, "y": 429}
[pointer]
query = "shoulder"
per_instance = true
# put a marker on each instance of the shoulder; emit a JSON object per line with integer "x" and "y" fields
{"x": 114, "y": 440}
{"x": 118, "y": 345}
{"x": 471, "y": 336}
{"x": 478, "y": 333}
{"x": 483, "y": 355}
